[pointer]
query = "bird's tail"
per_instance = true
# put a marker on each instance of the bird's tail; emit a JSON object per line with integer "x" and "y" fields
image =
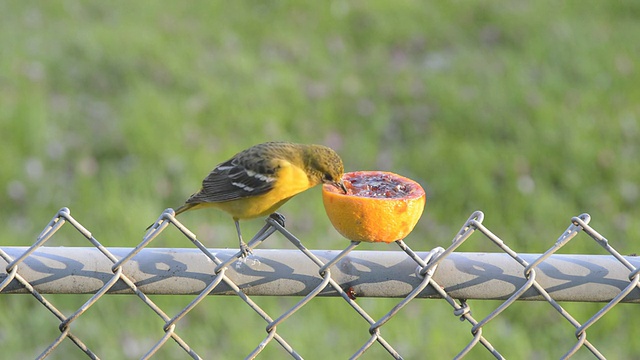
{"x": 178, "y": 211}
{"x": 184, "y": 208}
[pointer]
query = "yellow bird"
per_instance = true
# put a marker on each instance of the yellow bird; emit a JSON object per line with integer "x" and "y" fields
{"x": 257, "y": 181}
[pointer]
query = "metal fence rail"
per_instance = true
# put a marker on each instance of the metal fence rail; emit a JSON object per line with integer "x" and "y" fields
{"x": 405, "y": 274}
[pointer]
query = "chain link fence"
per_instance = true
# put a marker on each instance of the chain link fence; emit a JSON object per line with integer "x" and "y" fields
{"x": 439, "y": 273}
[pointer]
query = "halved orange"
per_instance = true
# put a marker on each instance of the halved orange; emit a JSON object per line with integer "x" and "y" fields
{"x": 378, "y": 206}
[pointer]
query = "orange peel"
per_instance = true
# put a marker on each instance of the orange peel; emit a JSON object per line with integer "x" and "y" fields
{"x": 378, "y": 206}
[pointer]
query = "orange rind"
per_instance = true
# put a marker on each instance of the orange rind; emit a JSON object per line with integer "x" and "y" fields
{"x": 378, "y": 206}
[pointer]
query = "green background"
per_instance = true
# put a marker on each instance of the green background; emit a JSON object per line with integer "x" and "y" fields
{"x": 527, "y": 111}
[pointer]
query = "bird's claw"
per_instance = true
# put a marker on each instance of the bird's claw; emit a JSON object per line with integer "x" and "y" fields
{"x": 245, "y": 250}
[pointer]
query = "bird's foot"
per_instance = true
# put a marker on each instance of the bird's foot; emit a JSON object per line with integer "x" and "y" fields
{"x": 278, "y": 217}
{"x": 245, "y": 250}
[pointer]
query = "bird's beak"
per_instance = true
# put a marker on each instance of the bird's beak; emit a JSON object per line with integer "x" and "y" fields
{"x": 340, "y": 185}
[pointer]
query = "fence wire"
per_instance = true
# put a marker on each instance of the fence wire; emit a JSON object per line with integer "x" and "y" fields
{"x": 426, "y": 267}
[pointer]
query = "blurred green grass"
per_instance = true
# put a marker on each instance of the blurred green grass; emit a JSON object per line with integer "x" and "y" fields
{"x": 527, "y": 111}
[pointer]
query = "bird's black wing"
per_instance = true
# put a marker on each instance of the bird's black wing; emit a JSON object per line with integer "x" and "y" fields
{"x": 237, "y": 179}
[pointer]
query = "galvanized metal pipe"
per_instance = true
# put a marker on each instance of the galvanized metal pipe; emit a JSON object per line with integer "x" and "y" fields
{"x": 74, "y": 270}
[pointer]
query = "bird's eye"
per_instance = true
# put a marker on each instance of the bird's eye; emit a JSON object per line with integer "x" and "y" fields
{"x": 327, "y": 177}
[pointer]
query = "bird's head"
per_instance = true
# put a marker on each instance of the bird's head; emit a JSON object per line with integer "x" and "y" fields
{"x": 326, "y": 166}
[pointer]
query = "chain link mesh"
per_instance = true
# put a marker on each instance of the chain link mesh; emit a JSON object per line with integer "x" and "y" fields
{"x": 426, "y": 267}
